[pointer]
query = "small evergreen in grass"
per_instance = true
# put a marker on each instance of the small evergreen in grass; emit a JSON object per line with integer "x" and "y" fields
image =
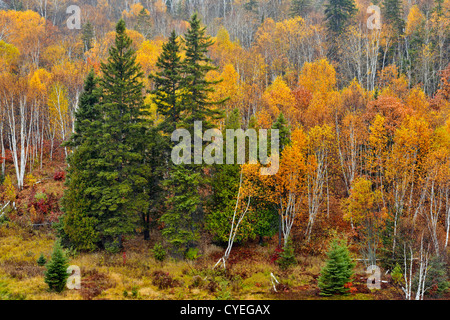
{"x": 337, "y": 271}
{"x": 56, "y": 274}
{"x": 158, "y": 251}
{"x": 41, "y": 261}
{"x": 287, "y": 256}
{"x": 192, "y": 254}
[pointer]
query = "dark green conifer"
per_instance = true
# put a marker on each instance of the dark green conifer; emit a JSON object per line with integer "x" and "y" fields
{"x": 184, "y": 213}
{"x": 393, "y": 14}
{"x": 338, "y": 14}
{"x": 41, "y": 261}
{"x": 167, "y": 88}
{"x": 299, "y": 8}
{"x": 338, "y": 270}
{"x": 56, "y": 274}
{"x": 78, "y": 226}
{"x": 121, "y": 173}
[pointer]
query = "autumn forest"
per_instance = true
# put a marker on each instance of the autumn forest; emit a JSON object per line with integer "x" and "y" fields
{"x": 92, "y": 205}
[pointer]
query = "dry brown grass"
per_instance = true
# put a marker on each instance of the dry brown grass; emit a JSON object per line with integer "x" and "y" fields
{"x": 109, "y": 276}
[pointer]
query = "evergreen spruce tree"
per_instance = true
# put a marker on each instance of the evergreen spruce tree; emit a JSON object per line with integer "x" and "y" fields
{"x": 86, "y": 113}
{"x": 337, "y": 15}
{"x": 337, "y": 271}
{"x": 287, "y": 256}
{"x": 168, "y": 99}
{"x": 284, "y": 134}
{"x": 265, "y": 221}
{"x": 87, "y": 35}
{"x": 156, "y": 166}
{"x": 167, "y": 95}
{"x": 78, "y": 226}
{"x": 299, "y": 8}
{"x": 143, "y": 25}
{"x": 251, "y": 5}
{"x": 41, "y": 261}
{"x": 184, "y": 212}
{"x": 186, "y": 180}
{"x": 438, "y": 8}
{"x": 167, "y": 85}
{"x": 195, "y": 67}
{"x": 437, "y": 278}
{"x": 283, "y": 130}
{"x": 225, "y": 185}
{"x": 121, "y": 173}
{"x": 56, "y": 274}
{"x": 393, "y": 13}
{"x": 181, "y": 229}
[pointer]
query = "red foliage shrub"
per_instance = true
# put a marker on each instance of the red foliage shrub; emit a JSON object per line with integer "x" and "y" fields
{"x": 46, "y": 207}
{"x": 240, "y": 254}
{"x": 276, "y": 255}
{"x": 54, "y": 216}
{"x": 59, "y": 175}
{"x": 352, "y": 289}
{"x": 164, "y": 280}
{"x": 93, "y": 284}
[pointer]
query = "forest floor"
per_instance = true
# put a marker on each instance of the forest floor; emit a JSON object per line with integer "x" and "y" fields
{"x": 136, "y": 275}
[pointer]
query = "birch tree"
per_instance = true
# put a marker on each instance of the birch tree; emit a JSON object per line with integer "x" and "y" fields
{"x": 19, "y": 117}
{"x": 290, "y": 181}
{"x": 318, "y": 150}
{"x": 237, "y": 219}
{"x": 59, "y": 111}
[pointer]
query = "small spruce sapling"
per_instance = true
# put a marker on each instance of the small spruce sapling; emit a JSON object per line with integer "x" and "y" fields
{"x": 287, "y": 256}
{"x": 338, "y": 271}
{"x": 159, "y": 253}
{"x": 41, "y": 261}
{"x": 56, "y": 274}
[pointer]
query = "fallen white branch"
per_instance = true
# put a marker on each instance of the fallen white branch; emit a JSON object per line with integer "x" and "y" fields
{"x": 3, "y": 208}
{"x": 274, "y": 281}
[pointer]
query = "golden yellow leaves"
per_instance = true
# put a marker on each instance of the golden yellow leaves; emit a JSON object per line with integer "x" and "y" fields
{"x": 391, "y": 108}
{"x": 362, "y": 206}
{"x": 319, "y": 77}
{"x": 224, "y": 51}
{"x": 26, "y": 31}
{"x": 9, "y": 193}
{"x": 9, "y": 56}
{"x": 393, "y": 84}
{"x": 160, "y": 6}
{"x": 414, "y": 21}
{"x": 291, "y": 174}
{"x": 279, "y": 98}
{"x": 39, "y": 83}
{"x": 228, "y": 87}
{"x": 147, "y": 56}
{"x": 134, "y": 11}
{"x": 410, "y": 149}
